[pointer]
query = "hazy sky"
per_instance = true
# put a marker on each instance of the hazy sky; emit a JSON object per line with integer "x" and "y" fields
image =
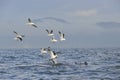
{"x": 86, "y": 23}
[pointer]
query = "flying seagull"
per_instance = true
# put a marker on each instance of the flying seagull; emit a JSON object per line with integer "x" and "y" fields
{"x": 18, "y": 36}
{"x": 53, "y": 56}
{"x": 62, "y": 36}
{"x": 50, "y": 33}
{"x": 31, "y": 23}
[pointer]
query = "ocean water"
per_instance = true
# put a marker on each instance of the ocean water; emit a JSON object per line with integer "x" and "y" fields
{"x": 30, "y": 64}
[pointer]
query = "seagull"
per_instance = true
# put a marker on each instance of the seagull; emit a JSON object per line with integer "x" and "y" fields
{"x": 53, "y": 39}
{"x": 31, "y": 23}
{"x": 43, "y": 50}
{"x": 53, "y": 56}
{"x": 62, "y": 36}
{"x": 50, "y": 33}
{"x": 18, "y": 36}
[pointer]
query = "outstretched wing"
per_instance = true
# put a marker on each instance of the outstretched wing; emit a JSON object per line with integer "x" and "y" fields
{"x": 29, "y": 20}
{"x": 54, "y": 53}
{"x": 20, "y": 38}
{"x": 63, "y": 35}
{"x": 47, "y": 31}
{"x": 34, "y": 25}
{"x": 15, "y": 32}
{"x": 59, "y": 32}
{"x": 51, "y": 31}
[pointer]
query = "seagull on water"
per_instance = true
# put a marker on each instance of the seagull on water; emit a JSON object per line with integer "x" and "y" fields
{"x": 31, "y": 23}
{"x": 53, "y": 39}
{"x": 50, "y": 33}
{"x": 43, "y": 50}
{"x": 62, "y": 36}
{"x": 18, "y": 36}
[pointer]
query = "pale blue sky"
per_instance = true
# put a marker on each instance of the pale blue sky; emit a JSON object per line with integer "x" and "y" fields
{"x": 91, "y": 23}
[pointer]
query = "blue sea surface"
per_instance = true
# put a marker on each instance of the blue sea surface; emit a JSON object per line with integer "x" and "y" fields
{"x": 30, "y": 64}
